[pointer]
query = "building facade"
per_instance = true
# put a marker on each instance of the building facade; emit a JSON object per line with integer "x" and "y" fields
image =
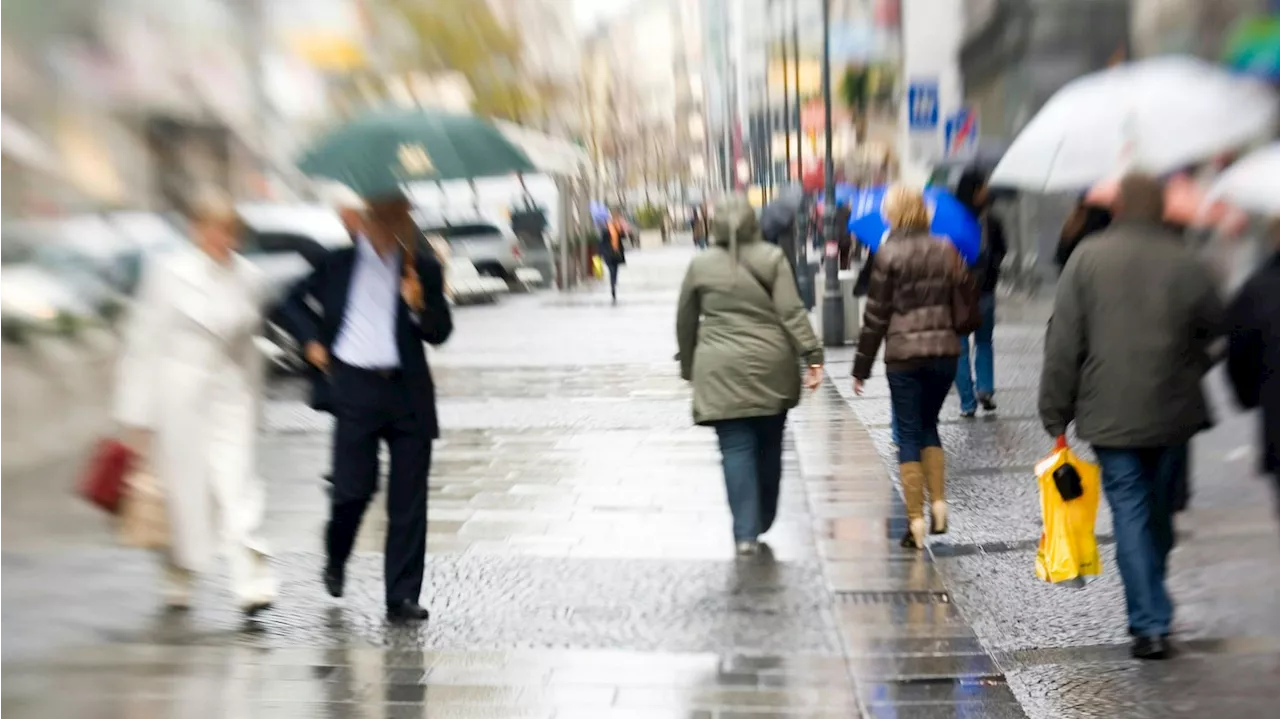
{"x": 138, "y": 101}
{"x": 644, "y": 111}
{"x": 551, "y": 59}
{"x": 750, "y": 119}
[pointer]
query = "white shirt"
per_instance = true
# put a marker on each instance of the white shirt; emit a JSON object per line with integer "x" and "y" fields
{"x": 367, "y": 337}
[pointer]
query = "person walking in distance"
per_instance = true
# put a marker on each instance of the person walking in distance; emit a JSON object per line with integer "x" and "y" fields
{"x": 188, "y": 388}
{"x": 972, "y": 192}
{"x": 742, "y": 333}
{"x": 1125, "y": 351}
{"x": 698, "y": 224}
{"x": 379, "y": 301}
{"x": 613, "y": 249}
{"x": 916, "y": 279}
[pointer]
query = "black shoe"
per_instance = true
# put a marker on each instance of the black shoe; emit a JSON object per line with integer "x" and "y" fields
{"x": 407, "y": 611}
{"x": 334, "y": 579}
{"x": 968, "y": 414}
{"x": 908, "y": 541}
{"x": 1150, "y": 648}
{"x": 254, "y": 608}
{"x": 988, "y": 402}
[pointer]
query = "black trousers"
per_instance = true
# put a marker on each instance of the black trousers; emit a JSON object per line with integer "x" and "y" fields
{"x": 372, "y": 407}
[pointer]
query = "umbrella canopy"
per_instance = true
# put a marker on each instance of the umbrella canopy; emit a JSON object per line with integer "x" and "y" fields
{"x": 376, "y": 154}
{"x": 1254, "y": 47}
{"x": 1158, "y": 115}
{"x": 1185, "y": 203}
{"x": 1253, "y": 183}
{"x": 599, "y": 213}
{"x": 948, "y": 217}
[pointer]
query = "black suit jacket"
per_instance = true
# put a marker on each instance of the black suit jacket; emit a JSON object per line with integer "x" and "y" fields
{"x": 314, "y": 311}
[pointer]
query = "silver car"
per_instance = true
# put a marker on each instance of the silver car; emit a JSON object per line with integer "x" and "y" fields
{"x": 487, "y": 242}
{"x": 286, "y": 242}
{"x": 35, "y": 297}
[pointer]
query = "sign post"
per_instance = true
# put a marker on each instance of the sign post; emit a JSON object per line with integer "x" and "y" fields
{"x": 922, "y": 106}
{"x": 960, "y": 134}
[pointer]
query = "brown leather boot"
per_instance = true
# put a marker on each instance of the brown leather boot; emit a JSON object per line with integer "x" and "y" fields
{"x": 912, "y": 474}
{"x": 935, "y": 474}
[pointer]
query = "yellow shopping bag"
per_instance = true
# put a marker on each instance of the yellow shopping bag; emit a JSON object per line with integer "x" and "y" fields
{"x": 1068, "y": 548}
{"x": 597, "y": 267}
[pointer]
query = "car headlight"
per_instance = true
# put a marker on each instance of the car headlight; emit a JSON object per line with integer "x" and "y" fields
{"x": 30, "y": 306}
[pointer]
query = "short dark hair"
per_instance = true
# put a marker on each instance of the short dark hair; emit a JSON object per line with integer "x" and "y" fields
{"x": 1140, "y": 196}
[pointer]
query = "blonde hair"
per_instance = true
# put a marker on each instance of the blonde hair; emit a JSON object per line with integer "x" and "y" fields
{"x": 905, "y": 209}
{"x": 210, "y": 204}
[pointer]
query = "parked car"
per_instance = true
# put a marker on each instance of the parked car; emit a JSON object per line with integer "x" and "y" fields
{"x": 287, "y": 241}
{"x": 86, "y": 252}
{"x": 148, "y": 234}
{"x": 486, "y": 241}
{"x": 32, "y": 298}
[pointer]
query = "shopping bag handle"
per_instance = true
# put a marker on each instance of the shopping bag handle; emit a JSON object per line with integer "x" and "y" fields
{"x": 1060, "y": 442}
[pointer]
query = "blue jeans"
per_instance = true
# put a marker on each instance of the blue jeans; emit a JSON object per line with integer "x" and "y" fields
{"x": 984, "y": 363}
{"x": 893, "y": 423}
{"x": 917, "y": 396}
{"x": 1139, "y": 484}
{"x": 613, "y": 278}
{"x": 751, "y": 452}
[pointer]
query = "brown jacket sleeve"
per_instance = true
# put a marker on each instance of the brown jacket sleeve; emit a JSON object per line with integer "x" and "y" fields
{"x": 875, "y": 321}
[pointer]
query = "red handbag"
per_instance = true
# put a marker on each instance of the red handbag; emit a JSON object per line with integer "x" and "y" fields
{"x": 104, "y": 479}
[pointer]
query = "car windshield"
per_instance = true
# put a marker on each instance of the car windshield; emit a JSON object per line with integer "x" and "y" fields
{"x": 90, "y": 237}
{"x": 463, "y": 232}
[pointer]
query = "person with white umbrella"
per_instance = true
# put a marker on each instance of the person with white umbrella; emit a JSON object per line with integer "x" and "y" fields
{"x": 1253, "y": 317}
{"x": 1125, "y": 351}
{"x": 1163, "y": 114}
{"x": 1253, "y": 352}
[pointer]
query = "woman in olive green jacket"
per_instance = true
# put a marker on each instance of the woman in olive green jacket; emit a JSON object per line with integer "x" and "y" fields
{"x": 743, "y": 332}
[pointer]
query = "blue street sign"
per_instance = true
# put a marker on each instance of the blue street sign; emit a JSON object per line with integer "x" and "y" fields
{"x": 922, "y": 105}
{"x": 960, "y": 132}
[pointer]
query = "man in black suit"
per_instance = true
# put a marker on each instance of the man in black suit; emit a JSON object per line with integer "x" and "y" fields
{"x": 378, "y": 302}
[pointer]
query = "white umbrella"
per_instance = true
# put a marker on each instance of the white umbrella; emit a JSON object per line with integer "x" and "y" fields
{"x": 1252, "y": 183}
{"x": 1155, "y": 115}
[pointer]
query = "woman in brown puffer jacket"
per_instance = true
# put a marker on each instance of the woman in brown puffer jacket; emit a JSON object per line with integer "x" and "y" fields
{"x": 914, "y": 281}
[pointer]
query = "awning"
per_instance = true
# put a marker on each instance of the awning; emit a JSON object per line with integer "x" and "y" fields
{"x": 550, "y": 155}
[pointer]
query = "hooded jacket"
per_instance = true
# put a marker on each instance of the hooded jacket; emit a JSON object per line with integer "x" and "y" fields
{"x": 740, "y": 324}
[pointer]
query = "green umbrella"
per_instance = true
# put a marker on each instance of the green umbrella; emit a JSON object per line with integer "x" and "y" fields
{"x": 376, "y": 154}
{"x": 1254, "y": 47}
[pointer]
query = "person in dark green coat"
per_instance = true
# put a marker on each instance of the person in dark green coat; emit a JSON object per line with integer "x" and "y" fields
{"x": 743, "y": 334}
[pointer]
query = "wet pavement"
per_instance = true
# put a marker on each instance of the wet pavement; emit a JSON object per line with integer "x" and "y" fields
{"x": 580, "y": 563}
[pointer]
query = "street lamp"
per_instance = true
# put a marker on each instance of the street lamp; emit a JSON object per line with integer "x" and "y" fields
{"x": 786, "y": 107}
{"x": 832, "y": 299}
{"x": 804, "y": 277}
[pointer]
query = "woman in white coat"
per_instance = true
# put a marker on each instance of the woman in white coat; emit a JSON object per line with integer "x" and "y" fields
{"x": 188, "y": 394}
